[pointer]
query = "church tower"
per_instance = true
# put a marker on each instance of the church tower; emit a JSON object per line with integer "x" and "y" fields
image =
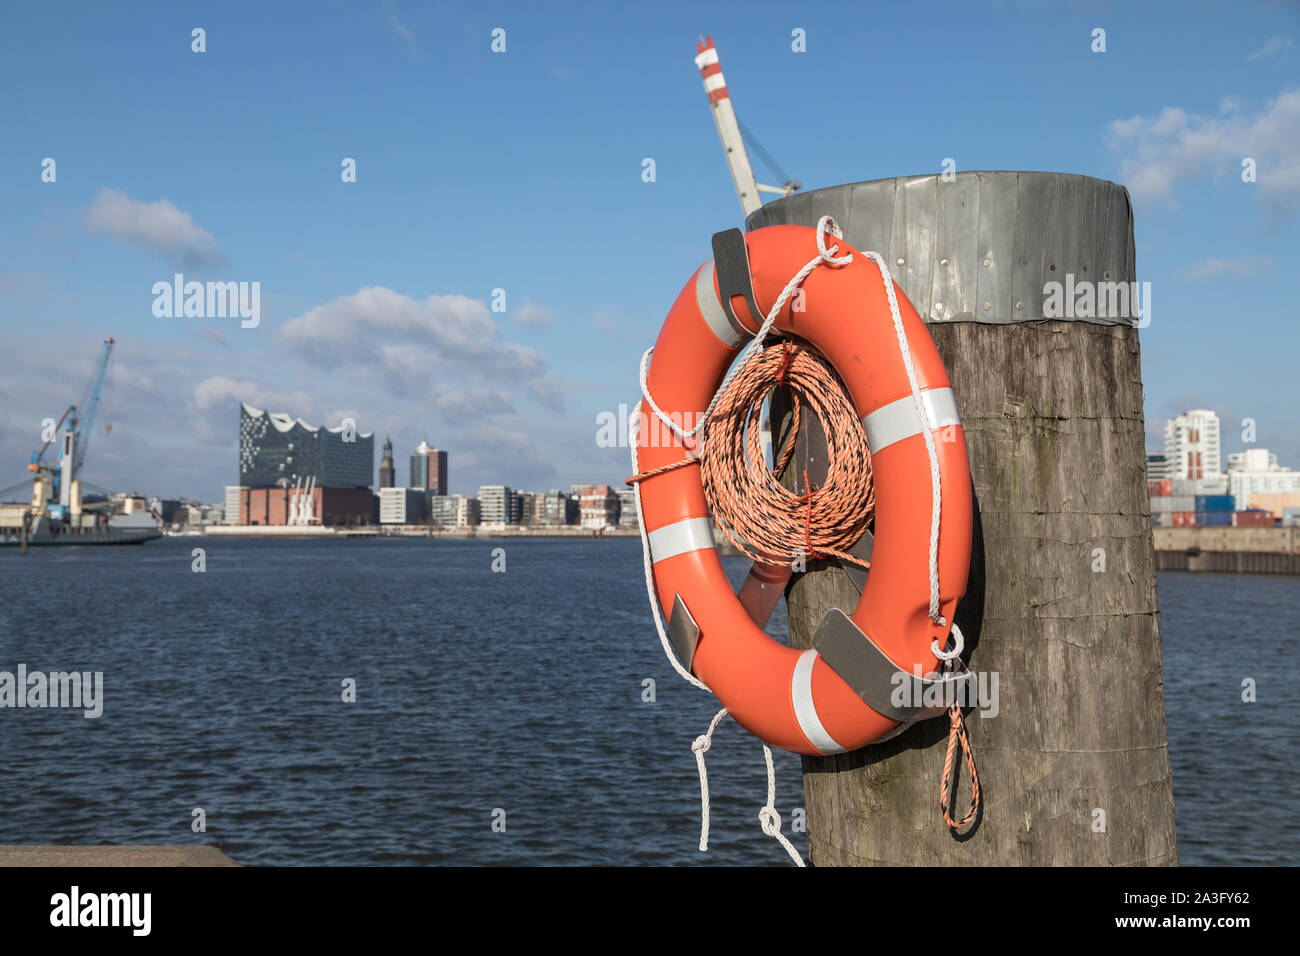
{"x": 387, "y": 474}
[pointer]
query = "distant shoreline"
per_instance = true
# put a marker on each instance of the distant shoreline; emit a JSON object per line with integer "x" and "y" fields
{"x": 277, "y": 532}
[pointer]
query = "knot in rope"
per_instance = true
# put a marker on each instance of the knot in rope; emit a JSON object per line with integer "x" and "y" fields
{"x": 783, "y": 369}
{"x": 824, "y": 225}
{"x": 769, "y": 820}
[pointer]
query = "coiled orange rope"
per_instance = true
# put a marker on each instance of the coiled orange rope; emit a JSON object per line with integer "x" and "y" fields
{"x": 760, "y": 516}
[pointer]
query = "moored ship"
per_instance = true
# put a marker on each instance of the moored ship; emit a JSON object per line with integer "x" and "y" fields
{"x": 56, "y": 513}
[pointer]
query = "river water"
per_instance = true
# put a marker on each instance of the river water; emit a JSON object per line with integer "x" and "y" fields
{"x": 499, "y": 717}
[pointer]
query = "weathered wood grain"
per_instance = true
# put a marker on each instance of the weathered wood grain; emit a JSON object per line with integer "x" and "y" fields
{"x": 1054, "y": 427}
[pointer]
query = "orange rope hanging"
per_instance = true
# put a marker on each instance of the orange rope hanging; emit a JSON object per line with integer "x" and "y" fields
{"x": 759, "y": 515}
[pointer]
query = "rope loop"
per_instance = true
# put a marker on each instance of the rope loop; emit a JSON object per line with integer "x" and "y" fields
{"x": 768, "y": 818}
{"x": 958, "y": 641}
{"x": 827, "y": 224}
{"x": 957, "y": 736}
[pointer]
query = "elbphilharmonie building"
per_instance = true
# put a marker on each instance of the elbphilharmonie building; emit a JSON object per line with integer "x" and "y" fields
{"x": 277, "y": 450}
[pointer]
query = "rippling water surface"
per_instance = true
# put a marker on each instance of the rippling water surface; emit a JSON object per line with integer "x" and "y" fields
{"x": 476, "y": 691}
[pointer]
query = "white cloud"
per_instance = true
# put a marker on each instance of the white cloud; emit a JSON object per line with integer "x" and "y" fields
{"x": 224, "y": 392}
{"x": 1239, "y": 268}
{"x": 1274, "y": 45}
{"x": 405, "y": 344}
{"x": 530, "y": 313}
{"x": 1158, "y": 153}
{"x": 160, "y": 227}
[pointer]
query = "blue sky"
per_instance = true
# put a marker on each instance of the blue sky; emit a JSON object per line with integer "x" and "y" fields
{"x": 522, "y": 171}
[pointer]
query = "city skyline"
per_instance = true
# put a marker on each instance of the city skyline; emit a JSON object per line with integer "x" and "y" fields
{"x": 377, "y": 299}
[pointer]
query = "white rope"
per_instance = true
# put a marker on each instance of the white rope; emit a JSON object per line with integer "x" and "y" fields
{"x": 906, "y": 351}
{"x": 701, "y": 744}
{"x": 768, "y": 818}
{"x": 649, "y": 574}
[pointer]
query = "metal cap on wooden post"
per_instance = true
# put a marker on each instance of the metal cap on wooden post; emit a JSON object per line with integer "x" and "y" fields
{"x": 1028, "y": 283}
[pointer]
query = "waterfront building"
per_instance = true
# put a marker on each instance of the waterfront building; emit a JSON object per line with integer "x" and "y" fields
{"x": 1256, "y": 480}
{"x": 597, "y": 506}
{"x": 1192, "y": 445}
{"x": 429, "y": 469}
{"x": 314, "y": 506}
{"x": 1158, "y": 467}
{"x": 232, "y": 504}
{"x": 1253, "y": 459}
{"x": 497, "y": 504}
{"x": 403, "y": 506}
{"x": 555, "y": 509}
{"x": 294, "y": 473}
{"x": 444, "y": 510}
{"x": 387, "y": 473}
{"x": 627, "y": 508}
{"x": 468, "y": 514}
{"x": 277, "y": 450}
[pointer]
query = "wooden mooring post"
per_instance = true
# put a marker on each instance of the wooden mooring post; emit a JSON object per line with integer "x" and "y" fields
{"x": 1061, "y": 609}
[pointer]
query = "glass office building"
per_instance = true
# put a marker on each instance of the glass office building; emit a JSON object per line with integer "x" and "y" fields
{"x": 276, "y": 450}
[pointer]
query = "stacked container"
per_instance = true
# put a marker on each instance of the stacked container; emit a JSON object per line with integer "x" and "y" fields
{"x": 1254, "y": 518}
{"x": 1199, "y": 503}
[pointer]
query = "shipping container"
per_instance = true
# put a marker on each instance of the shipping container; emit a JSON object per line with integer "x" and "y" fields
{"x": 1161, "y": 519}
{"x": 1253, "y": 519}
{"x": 1166, "y": 486}
{"x": 1184, "y": 503}
{"x": 1162, "y": 504}
{"x": 1214, "y": 519}
{"x": 1214, "y": 502}
{"x": 1183, "y": 519}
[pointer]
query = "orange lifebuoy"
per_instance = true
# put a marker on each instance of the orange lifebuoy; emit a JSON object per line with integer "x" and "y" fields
{"x": 795, "y": 699}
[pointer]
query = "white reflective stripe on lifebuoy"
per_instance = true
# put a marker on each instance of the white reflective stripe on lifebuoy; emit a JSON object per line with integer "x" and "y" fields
{"x": 898, "y": 420}
{"x": 689, "y": 534}
{"x": 805, "y": 711}
{"x": 729, "y": 332}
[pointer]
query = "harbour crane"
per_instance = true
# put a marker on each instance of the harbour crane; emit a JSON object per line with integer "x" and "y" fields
{"x": 59, "y": 480}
